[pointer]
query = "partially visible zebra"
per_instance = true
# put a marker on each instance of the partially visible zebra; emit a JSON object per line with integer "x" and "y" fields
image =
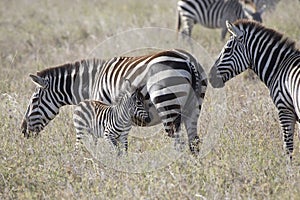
{"x": 113, "y": 122}
{"x": 274, "y": 59}
{"x": 172, "y": 82}
{"x": 211, "y": 14}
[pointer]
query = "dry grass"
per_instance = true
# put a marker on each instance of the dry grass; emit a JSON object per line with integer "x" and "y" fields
{"x": 246, "y": 163}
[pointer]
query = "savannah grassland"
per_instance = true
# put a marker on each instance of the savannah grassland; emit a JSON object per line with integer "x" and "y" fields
{"x": 247, "y": 161}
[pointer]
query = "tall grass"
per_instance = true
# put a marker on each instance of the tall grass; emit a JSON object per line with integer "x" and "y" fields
{"x": 247, "y": 163}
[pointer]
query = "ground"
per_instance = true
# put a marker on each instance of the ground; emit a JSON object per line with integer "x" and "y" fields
{"x": 246, "y": 162}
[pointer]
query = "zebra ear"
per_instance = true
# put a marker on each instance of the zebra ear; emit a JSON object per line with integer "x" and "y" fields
{"x": 39, "y": 81}
{"x": 233, "y": 29}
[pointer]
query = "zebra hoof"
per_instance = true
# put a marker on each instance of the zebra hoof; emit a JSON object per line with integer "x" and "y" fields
{"x": 194, "y": 146}
{"x": 26, "y": 134}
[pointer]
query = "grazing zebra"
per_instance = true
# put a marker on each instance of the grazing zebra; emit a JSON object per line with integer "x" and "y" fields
{"x": 211, "y": 14}
{"x": 274, "y": 59}
{"x": 172, "y": 82}
{"x": 113, "y": 122}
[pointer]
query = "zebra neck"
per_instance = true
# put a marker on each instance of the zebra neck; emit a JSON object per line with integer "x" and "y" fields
{"x": 269, "y": 61}
{"x": 123, "y": 111}
{"x": 74, "y": 82}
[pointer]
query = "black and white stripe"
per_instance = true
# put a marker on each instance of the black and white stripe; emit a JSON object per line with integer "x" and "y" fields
{"x": 172, "y": 82}
{"x": 113, "y": 122}
{"x": 211, "y": 14}
{"x": 274, "y": 59}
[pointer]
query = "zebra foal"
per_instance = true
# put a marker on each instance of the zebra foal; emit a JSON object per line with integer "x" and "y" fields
{"x": 274, "y": 59}
{"x": 113, "y": 122}
{"x": 212, "y": 14}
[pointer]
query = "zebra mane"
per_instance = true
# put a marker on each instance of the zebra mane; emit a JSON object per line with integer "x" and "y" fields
{"x": 121, "y": 96}
{"x": 277, "y": 36}
{"x": 126, "y": 91}
{"x": 70, "y": 66}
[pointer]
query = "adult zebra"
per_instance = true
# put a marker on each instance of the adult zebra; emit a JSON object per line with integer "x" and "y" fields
{"x": 211, "y": 14}
{"x": 172, "y": 82}
{"x": 113, "y": 122}
{"x": 274, "y": 59}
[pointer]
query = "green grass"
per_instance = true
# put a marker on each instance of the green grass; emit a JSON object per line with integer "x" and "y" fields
{"x": 246, "y": 163}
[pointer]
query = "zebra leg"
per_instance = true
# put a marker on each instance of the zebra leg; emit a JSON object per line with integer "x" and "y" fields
{"x": 173, "y": 127}
{"x": 124, "y": 141}
{"x": 223, "y": 33}
{"x": 80, "y": 134}
{"x": 187, "y": 27}
{"x": 179, "y": 139}
{"x": 111, "y": 140}
{"x": 186, "y": 32}
{"x": 190, "y": 122}
{"x": 287, "y": 120}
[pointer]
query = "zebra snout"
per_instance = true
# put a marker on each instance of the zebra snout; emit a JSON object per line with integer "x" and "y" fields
{"x": 215, "y": 79}
{"x": 147, "y": 120}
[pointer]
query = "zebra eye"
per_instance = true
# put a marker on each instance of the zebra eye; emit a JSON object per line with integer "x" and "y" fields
{"x": 238, "y": 39}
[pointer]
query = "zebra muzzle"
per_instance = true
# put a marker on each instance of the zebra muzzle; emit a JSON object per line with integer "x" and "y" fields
{"x": 147, "y": 120}
{"x": 215, "y": 78}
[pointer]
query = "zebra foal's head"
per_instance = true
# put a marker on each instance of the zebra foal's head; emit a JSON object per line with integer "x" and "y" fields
{"x": 41, "y": 108}
{"x": 135, "y": 98}
{"x": 233, "y": 58}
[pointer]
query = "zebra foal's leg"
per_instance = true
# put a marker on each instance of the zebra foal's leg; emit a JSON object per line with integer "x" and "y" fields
{"x": 114, "y": 140}
{"x": 287, "y": 121}
{"x": 124, "y": 144}
{"x": 111, "y": 139}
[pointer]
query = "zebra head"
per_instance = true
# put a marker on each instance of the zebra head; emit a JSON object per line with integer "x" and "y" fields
{"x": 40, "y": 109}
{"x": 138, "y": 113}
{"x": 232, "y": 60}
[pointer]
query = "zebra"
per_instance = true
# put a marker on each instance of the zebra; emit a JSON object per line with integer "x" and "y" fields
{"x": 172, "y": 82}
{"x": 113, "y": 122}
{"x": 212, "y": 14}
{"x": 274, "y": 59}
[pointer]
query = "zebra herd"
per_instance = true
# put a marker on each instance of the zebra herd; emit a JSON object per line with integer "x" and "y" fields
{"x": 169, "y": 87}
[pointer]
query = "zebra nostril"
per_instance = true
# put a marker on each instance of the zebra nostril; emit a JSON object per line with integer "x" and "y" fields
{"x": 148, "y": 120}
